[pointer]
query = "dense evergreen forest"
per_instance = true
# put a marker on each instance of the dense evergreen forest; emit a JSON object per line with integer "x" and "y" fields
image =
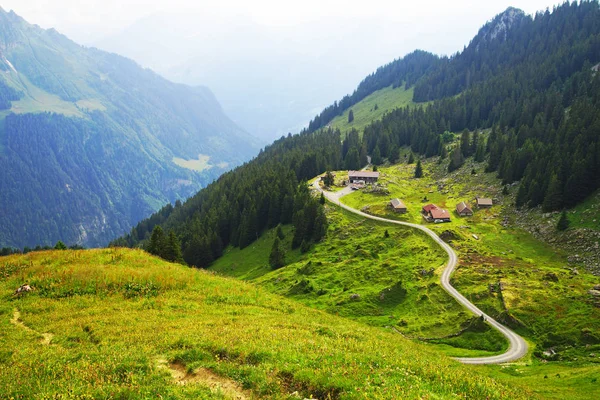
{"x": 7, "y": 94}
{"x": 241, "y": 204}
{"x": 534, "y": 83}
{"x": 532, "y": 86}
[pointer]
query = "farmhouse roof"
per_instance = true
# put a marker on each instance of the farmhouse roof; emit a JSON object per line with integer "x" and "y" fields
{"x": 462, "y": 206}
{"x": 482, "y": 201}
{"x": 363, "y": 174}
{"x": 429, "y": 207}
{"x": 439, "y": 213}
{"x": 397, "y": 203}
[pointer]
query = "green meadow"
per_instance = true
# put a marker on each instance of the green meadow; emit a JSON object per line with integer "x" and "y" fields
{"x": 373, "y": 107}
{"x": 503, "y": 269}
{"x": 120, "y": 324}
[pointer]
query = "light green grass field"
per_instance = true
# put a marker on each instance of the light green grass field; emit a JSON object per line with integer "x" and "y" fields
{"x": 492, "y": 250}
{"x": 356, "y": 258}
{"x": 36, "y": 100}
{"x": 121, "y": 324}
{"x": 364, "y": 111}
{"x": 396, "y": 280}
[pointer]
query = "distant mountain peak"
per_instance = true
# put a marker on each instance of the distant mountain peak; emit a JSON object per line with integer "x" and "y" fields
{"x": 501, "y": 24}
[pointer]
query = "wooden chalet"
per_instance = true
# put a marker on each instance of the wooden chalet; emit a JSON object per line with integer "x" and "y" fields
{"x": 433, "y": 213}
{"x": 483, "y": 202}
{"x": 363, "y": 176}
{"x": 463, "y": 209}
{"x": 398, "y": 206}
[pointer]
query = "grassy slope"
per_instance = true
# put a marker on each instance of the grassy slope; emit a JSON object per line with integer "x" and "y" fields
{"x": 587, "y": 213}
{"x": 356, "y": 259}
{"x": 36, "y": 100}
{"x": 115, "y": 313}
{"x": 386, "y": 99}
{"x": 550, "y": 312}
{"x": 500, "y": 253}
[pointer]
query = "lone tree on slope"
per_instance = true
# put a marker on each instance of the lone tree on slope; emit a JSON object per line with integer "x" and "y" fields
{"x": 418, "y": 170}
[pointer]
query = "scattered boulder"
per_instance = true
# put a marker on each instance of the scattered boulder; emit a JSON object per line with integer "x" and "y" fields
{"x": 595, "y": 293}
{"x": 596, "y": 287}
{"x": 448, "y": 236}
{"x": 551, "y": 276}
{"x": 355, "y": 296}
{"x": 425, "y": 272}
{"x": 475, "y": 236}
{"x": 21, "y": 290}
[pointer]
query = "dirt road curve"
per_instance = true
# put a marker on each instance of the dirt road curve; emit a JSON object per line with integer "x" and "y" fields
{"x": 518, "y": 346}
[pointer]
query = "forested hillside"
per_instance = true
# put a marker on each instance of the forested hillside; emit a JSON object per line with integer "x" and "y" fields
{"x": 534, "y": 81}
{"x": 242, "y": 204}
{"x": 91, "y": 143}
{"x": 542, "y": 109}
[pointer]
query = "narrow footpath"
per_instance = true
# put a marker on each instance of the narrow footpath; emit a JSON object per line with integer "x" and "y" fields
{"x": 517, "y": 345}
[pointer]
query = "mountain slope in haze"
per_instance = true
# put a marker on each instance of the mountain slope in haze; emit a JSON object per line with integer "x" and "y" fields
{"x": 269, "y": 79}
{"x": 90, "y": 143}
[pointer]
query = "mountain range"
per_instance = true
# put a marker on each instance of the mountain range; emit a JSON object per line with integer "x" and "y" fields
{"x": 90, "y": 142}
{"x": 530, "y": 82}
{"x": 269, "y": 79}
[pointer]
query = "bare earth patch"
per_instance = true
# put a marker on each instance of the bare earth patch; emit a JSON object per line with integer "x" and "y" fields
{"x": 16, "y": 320}
{"x": 228, "y": 387}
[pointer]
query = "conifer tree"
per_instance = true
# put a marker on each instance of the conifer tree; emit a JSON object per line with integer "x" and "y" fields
{"x": 521, "y": 195}
{"x": 443, "y": 152}
{"x": 320, "y": 225}
{"x": 394, "y": 154}
{"x": 156, "y": 246}
{"x": 280, "y": 234}
{"x": 376, "y": 156}
{"x": 553, "y": 198}
{"x": 563, "y": 221}
{"x": 60, "y": 246}
{"x": 411, "y": 158}
{"x": 480, "y": 151}
{"x": 465, "y": 143}
{"x": 352, "y": 160}
{"x": 173, "y": 249}
{"x": 456, "y": 159}
{"x": 350, "y": 117}
{"x": 474, "y": 143}
{"x": 328, "y": 179}
{"x": 300, "y": 231}
{"x": 277, "y": 256}
{"x": 418, "y": 169}
{"x": 363, "y": 154}
{"x": 322, "y": 199}
{"x": 305, "y": 246}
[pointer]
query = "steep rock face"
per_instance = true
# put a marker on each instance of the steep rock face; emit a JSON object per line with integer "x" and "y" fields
{"x": 498, "y": 28}
{"x": 90, "y": 142}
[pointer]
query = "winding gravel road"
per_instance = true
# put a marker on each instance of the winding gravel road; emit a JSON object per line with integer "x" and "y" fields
{"x": 518, "y": 346}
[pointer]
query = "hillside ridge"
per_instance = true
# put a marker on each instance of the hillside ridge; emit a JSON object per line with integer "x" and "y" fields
{"x": 79, "y": 115}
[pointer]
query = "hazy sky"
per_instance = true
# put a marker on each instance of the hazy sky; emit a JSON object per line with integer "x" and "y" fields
{"x": 88, "y": 20}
